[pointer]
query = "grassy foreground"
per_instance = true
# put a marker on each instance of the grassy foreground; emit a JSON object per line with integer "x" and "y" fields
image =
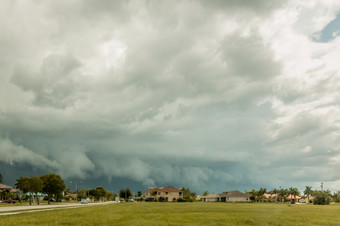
{"x": 183, "y": 214}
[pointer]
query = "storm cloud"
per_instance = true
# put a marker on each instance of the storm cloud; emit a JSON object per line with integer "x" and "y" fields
{"x": 213, "y": 95}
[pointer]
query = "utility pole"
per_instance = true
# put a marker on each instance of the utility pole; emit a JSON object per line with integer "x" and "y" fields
{"x": 321, "y": 186}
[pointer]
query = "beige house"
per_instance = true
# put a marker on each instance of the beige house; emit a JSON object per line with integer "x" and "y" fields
{"x": 168, "y": 193}
{"x": 234, "y": 196}
{"x": 210, "y": 198}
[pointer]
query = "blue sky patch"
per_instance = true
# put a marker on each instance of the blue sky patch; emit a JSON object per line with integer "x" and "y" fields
{"x": 331, "y": 31}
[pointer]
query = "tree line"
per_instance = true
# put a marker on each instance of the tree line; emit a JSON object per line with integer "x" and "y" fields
{"x": 286, "y": 194}
{"x": 53, "y": 186}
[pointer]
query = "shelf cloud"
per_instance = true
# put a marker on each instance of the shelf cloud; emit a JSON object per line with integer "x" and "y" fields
{"x": 210, "y": 95}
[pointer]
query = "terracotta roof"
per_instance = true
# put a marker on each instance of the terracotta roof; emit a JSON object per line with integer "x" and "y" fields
{"x": 270, "y": 196}
{"x": 293, "y": 197}
{"x": 167, "y": 188}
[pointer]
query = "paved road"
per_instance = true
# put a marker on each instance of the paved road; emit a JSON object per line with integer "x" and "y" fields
{"x": 35, "y": 208}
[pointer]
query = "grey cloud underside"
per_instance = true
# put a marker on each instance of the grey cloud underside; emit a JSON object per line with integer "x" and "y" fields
{"x": 156, "y": 93}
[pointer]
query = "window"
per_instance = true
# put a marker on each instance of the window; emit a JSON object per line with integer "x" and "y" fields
{"x": 166, "y": 192}
{"x": 180, "y": 193}
{"x": 159, "y": 193}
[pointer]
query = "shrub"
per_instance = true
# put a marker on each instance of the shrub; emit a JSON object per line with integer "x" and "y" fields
{"x": 161, "y": 199}
{"x": 180, "y": 200}
{"x": 149, "y": 199}
{"x": 321, "y": 198}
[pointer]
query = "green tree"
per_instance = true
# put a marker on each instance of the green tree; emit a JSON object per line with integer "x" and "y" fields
{"x": 82, "y": 194}
{"x": 101, "y": 193}
{"x": 308, "y": 192}
{"x": 139, "y": 193}
{"x": 1, "y": 178}
{"x": 33, "y": 185}
{"x": 53, "y": 185}
{"x": 24, "y": 185}
{"x": 36, "y": 185}
{"x": 205, "y": 193}
{"x": 253, "y": 195}
{"x": 261, "y": 193}
{"x": 321, "y": 198}
{"x": 154, "y": 194}
{"x": 188, "y": 195}
{"x": 125, "y": 193}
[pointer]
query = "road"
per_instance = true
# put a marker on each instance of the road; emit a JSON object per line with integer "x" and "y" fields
{"x": 10, "y": 210}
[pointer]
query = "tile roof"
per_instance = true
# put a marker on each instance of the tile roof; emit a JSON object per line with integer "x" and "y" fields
{"x": 5, "y": 187}
{"x": 234, "y": 194}
{"x": 167, "y": 188}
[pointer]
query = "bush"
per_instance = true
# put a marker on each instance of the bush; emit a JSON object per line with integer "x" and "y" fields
{"x": 180, "y": 200}
{"x": 149, "y": 199}
{"x": 321, "y": 198}
{"x": 161, "y": 199}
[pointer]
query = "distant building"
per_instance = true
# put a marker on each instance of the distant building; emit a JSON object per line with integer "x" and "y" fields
{"x": 168, "y": 193}
{"x": 271, "y": 197}
{"x": 234, "y": 196}
{"x": 210, "y": 198}
{"x": 228, "y": 196}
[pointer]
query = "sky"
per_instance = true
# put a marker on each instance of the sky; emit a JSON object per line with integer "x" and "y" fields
{"x": 210, "y": 95}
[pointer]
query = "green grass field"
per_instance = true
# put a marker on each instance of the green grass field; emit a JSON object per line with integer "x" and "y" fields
{"x": 183, "y": 214}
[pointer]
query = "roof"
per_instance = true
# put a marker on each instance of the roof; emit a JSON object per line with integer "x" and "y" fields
{"x": 5, "y": 187}
{"x": 210, "y": 196}
{"x": 234, "y": 194}
{"x": 294, "y": 197}
{"x": 270, "y": 196}
{"x": 167, "y": 188}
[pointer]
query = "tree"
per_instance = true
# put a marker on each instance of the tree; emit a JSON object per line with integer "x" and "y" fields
{"x": 125, "y": 193}
{"x": 321, "y": 198}
{"x": 154, "y": 193}
{"x": 261, "y": 193}
{"x": 139, "y": 193}
{"x": 53, "y": 185}
{"x": 82, "y": 194}
{"x": 36, "y": 185}
{"x": 24, "y": 185}
{"x": 308, "y": 192}
{"x": 293, "y": 192}
{"x": 205, "y": 193}
{"x": 1, "y": 178}
{"x": 253, "y": 195}
{"x": 188, "y": 195}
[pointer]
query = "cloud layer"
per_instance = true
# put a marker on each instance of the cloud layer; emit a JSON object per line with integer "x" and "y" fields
{"x": 209, "y": 95}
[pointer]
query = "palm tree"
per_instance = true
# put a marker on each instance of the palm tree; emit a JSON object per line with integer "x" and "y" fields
{"x": 261, "y": 193}
{"x": 293, "y": 192}
{"x": 308, "y": 192}
{"x": 253, "y": 194}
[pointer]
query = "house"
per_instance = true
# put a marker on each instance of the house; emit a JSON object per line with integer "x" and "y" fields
{"x": 293, "y": 198}
{"x": 5, "y": 188}
{"x": 168, "y": 193}
{"x": 271, "y": 197}
{"x": 210, "y": 198}
{"x": 234, "y": 196}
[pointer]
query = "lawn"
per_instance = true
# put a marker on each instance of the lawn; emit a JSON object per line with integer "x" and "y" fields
{"x": 183, "y": 214}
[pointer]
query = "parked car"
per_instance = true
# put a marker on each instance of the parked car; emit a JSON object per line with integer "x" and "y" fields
{"x": 84, "y": 201}
{"x": 9, "y": 201}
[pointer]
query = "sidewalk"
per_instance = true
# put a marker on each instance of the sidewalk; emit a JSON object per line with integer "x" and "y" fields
{"x": 46, "y": 206}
